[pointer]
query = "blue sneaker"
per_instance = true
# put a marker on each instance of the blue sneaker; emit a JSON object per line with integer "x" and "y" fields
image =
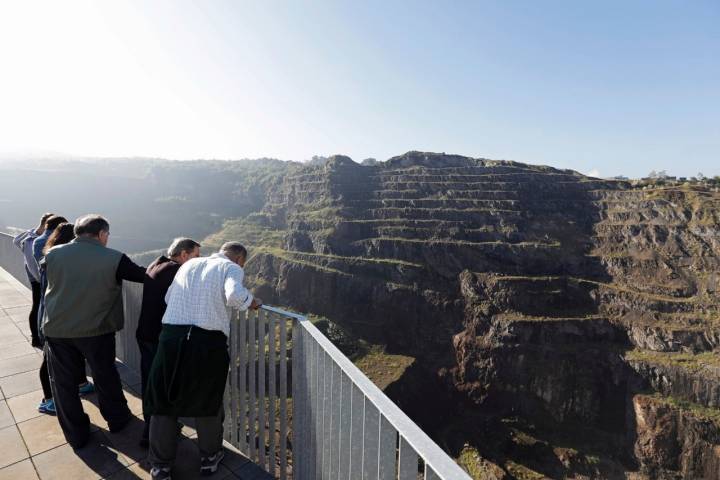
{"x": 47, "y": 407}
{"x": 86, "y": 389}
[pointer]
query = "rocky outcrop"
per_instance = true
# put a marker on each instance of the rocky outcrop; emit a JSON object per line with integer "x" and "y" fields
{"x": 675, "y": 444}
{"x": 517, "y": 289}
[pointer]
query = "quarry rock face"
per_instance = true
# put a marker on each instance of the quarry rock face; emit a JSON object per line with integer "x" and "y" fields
{"x": 568, "y": 326}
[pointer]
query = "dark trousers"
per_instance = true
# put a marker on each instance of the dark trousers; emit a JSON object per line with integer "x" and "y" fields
{"x": 33, "y": 317}
{"x": 66, "y": 361}
{"x": 45, "y": 378}
{"x": 147, "y": 354}
{"x": 164, "y": 437}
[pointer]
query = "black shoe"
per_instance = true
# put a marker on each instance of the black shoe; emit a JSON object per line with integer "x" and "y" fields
{"x": 160, "y": 473}
{"x": 118, "y": 426}
{"x": 209, "y": 465}
{"x": 37, "y": 343}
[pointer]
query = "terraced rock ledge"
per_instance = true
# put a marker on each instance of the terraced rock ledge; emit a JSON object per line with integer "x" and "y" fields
{"x": 550, "y": 325}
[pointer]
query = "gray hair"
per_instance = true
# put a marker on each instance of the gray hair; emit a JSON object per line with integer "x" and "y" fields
{"x": 91, "y": 225}
{"x": 233, "y": 250}
{"x": 180, "y": 245}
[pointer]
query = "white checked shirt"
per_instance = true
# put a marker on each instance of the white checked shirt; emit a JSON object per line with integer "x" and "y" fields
{"x": 203, "y": 291}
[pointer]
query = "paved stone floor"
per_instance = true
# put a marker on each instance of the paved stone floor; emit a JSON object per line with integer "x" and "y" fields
{"x": 32, "y": 445}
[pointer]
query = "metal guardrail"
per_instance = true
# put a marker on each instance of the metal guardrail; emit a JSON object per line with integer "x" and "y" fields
{"x": 12, "y": 259}
{"x": 297, "y": 406}
{"x": 343, "y": 426}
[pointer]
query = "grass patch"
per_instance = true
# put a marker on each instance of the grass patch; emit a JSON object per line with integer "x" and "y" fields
{"x": 689, "y": 361}
{"x": 700, "y": 411}
{"x": 381, "y": 367}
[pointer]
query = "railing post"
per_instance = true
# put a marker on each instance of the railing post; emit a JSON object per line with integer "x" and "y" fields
{"x": 283, "y": 399}
{"x": 272, "y": 378}
{"x": 261, "y": 388}
{"x": 242, "y": 393}
{"x": 252, "y": 406}
{"x": 298, "y": 401}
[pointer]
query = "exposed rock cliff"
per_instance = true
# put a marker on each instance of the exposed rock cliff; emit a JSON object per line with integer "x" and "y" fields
{"x": 540, "y": 305}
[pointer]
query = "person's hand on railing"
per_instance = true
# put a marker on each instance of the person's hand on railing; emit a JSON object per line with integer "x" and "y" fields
{"x": 256, "y": 303}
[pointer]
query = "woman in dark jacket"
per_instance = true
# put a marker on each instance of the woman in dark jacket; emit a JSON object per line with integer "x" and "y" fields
{"x": 63, "y": 234}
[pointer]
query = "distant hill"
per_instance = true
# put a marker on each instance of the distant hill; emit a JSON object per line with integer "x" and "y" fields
{"x": 147, "y": 201}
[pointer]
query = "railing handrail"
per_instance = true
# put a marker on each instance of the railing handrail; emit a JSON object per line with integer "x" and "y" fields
{"x": 423, "y": 445}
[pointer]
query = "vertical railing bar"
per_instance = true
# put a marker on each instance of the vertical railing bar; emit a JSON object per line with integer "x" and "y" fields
{"x": 242, "y": 393}
{"x": 283, "y": 399}
{"x": 335, "y": 423}
{"x": 298, "y": 403}
{"x": 364, "y": 425}
{"x": 252, "y": 365}
{"x": 430, "y": 474}
{"x": 340, "y": 421}
{"x": 348, "y": 447}
{"x": 370, "y": 441}
{"x": 233, "y": 414}
{"x": 327, "y": 379}
{"x": 272, "y": 378}
{"x": 387, "y": 450}
{"x": 312, "y": 431}
{"x": 261, "y": 389}
{"x": 407, "y": 462}
{"x": 329, "y": 422}
{"x": 320, "y": 378}
{"x": 307, "y": 416}
{"x": 356, "y": 432}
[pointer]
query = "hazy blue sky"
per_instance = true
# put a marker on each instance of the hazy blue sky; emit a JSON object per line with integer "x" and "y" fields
{"x": 612, "y": 87}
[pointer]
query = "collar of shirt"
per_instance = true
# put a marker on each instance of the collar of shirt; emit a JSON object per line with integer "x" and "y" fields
{"x": 220, "y": 255}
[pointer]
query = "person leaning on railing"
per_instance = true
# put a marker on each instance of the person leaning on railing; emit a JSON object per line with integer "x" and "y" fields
{"x": 188, "y": 375}
{"x": 24, "y": 242}
{"x": 84, "y": 310}
{"x": 64, "y": 233}
{"x": 160, "y": 274}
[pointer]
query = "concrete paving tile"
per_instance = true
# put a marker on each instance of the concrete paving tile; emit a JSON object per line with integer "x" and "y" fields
{"x": 134, "y": 402}
{"x": 25, "y": 330}
{"x": 24, "y": 407}
{"x": 9, "y": 329}
{"x": 92, "y": 410}
{"x": 41, "y": 434}
{"x": 24, "y": 470}
{"x": 17, "y": 350}
{"x": 137, "y": 471}
{"x": 26, "y": 363}
{"x": 12, "y": 300}
{"x": 127, "y": 441}
{"x": 19, "y": 384}
{"x": 6, "y": 418}
{"x": 19, "y": 314}
{"x": 12, "y": 339}
{"x": 12, "y": 447}
{"x": 96, "y": 459}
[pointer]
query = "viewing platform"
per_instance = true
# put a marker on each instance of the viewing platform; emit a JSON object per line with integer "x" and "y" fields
{"x": 295, "y": 407}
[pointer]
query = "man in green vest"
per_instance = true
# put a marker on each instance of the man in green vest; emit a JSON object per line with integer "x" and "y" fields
{"x": 84, "y": 310}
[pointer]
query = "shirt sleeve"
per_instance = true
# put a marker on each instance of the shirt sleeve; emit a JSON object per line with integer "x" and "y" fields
{"x": 128, "y": 270}
{"x": 37, "y": 248}
{"x": 19, "y": 239}
{"x": 235, "y": 293}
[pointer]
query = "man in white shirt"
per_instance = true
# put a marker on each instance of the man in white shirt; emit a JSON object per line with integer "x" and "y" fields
{"x": 189, "y": 372}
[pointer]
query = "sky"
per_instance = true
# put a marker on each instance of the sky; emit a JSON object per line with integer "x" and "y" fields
{"x": 608, "y": 88}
